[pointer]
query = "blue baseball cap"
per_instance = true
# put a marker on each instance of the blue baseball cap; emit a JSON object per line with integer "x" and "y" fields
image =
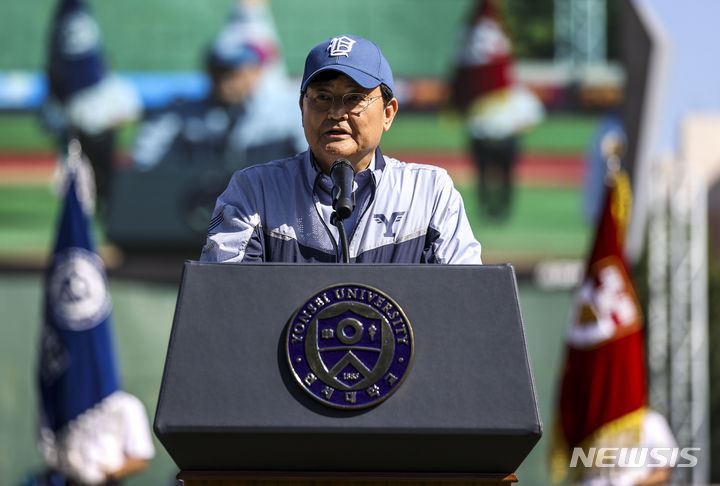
{"x": 232, "y": 56}
{"x": 354, "y": 56}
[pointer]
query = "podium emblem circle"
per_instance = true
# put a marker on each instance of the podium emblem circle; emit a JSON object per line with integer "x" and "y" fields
{"x": 349, "y": 346}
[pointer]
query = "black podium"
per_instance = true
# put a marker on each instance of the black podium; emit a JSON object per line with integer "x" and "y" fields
{"x": 347, "y": 372}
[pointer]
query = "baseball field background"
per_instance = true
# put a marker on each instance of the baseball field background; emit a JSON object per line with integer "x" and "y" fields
{"x": 547, "y": 222}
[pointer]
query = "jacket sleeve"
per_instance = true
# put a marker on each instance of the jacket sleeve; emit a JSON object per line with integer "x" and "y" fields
{"x": 235, "y": 231}
{"x": 453, "y": 240}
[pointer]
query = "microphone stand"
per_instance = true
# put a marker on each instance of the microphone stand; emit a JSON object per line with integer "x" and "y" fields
{"x": 340, "y": 223}
{"x": 342, "y": 175}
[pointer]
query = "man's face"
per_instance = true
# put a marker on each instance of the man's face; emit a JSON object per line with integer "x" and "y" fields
{"x": 335, "y": 133}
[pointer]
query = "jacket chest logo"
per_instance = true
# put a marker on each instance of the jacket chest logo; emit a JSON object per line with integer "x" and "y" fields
{"x": 394, "y": 218}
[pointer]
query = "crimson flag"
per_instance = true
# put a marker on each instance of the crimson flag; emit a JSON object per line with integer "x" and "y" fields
{"x": 485, "y": 60}
{"x": 602, "y": 393}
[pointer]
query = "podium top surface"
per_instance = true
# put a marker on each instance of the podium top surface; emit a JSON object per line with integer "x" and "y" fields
{"x": 228, "y": 382}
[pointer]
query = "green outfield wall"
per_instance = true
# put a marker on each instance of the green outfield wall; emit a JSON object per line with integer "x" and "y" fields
{"x": 417, "y": 36}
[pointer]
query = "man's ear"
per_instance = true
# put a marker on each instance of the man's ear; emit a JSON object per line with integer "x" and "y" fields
{"x": 300, "y": 103}
{"x": 390, "y": 111}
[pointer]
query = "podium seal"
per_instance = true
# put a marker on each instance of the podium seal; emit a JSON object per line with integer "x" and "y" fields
{"x": 349, "y": 346}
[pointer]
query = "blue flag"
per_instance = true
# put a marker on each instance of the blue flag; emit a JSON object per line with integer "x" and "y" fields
{"x": 77, "y": 362}
{"x": 75, "y": 57}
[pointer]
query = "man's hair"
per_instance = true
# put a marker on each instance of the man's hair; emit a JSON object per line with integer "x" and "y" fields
{"x": 329, "y": 75}
{"x": 387, "y": 93}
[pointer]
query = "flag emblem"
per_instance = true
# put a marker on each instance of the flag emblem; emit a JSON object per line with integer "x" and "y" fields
{"x": 77, "y": 292}
{"x": 79, "y": 34}
{"x": 486, "y": 43}
{"x": 606, "y": 308}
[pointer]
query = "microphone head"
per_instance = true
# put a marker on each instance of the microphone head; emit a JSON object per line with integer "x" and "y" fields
{"x": 340, "y": 163}
{"x": 342, "y": 174}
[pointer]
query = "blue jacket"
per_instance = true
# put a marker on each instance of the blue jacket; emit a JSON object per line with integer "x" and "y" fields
{"x": 280, "y": 212}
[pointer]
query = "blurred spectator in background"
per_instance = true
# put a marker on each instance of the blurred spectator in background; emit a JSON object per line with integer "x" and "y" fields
{"x": 496, "y": 109}
{"x": 250, "y": 114}
{"x": 85, "y": 101}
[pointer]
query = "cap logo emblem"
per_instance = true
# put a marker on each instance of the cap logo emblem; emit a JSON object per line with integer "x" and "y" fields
{"x": 340, "y": 46}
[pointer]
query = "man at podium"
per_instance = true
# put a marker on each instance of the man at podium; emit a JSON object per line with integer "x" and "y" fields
{"x": 317, "y": 354}
{"x": 342, "y": 200}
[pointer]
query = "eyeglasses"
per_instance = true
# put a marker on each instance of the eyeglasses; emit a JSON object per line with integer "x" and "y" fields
{"x": 354, "y": 103}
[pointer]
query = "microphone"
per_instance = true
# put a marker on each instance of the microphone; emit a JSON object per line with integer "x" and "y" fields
{"x": 342, "y": 175}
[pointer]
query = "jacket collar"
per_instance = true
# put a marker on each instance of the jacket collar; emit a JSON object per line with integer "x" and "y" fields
{"x": 311, "y": 171}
